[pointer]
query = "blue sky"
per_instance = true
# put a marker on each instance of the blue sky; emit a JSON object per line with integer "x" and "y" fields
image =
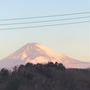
{"x": 71, "y": 40}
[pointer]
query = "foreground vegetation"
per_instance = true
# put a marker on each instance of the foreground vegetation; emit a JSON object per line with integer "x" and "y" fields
{"x": 44, "y": 77}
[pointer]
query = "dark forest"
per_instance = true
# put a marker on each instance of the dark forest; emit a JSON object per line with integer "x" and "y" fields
{"x": 44, "y": 77}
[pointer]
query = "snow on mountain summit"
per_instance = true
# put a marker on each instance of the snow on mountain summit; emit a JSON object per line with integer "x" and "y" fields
{"x": 36, "y": 53}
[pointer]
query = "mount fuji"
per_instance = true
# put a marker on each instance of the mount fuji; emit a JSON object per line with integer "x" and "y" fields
{"x": 36, "y": 53}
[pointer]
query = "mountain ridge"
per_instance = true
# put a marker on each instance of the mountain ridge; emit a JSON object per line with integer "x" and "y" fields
{"x": 36, "y": 53}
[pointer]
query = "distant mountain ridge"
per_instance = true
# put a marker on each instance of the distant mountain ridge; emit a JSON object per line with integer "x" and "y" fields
{"x": 36, "y": 53}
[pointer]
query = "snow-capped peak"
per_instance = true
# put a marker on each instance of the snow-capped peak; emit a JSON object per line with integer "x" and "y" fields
{"x": 36, "y": 53}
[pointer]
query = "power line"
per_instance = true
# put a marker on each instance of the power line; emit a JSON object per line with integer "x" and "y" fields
{"x": 9, "y": 19}
{"x": 55, "y": 20}
{"x": 43, "y": 25}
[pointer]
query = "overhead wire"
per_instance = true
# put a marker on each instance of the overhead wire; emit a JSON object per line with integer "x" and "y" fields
{"x": 45, "y": 21}
{"x": 67, "y": 14}
{"x": 60, "y": 24}
{"x": 54, "y": 20}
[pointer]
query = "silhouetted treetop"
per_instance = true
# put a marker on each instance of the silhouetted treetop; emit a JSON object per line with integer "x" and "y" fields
{"x": 44, "y": 77}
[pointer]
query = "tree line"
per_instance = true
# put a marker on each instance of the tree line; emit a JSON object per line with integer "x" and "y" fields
{"x": 44, "y": 77}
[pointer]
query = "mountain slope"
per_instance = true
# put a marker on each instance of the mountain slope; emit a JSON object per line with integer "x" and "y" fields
{"x": 36, "y": 53}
